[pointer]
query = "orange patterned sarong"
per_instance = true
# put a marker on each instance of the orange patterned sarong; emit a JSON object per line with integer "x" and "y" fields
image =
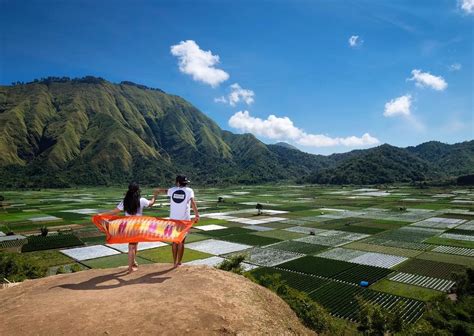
{"x": 134, "y": 229}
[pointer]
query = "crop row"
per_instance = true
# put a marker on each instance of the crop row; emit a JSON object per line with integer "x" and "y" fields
{"x": 423, "y": 281}
{"x": 429, "y": 268}
{"x": 455, "y": 250}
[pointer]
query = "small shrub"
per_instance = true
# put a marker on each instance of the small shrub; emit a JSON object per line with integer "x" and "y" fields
{"x": 76, "y": 268}
{"x": 44, "y": 231}
{"x": 61, "y": 270}
{"x": 233, "y": 264}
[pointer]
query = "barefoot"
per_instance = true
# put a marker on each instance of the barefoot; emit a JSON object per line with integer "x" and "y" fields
{"x": 131, "y": 270}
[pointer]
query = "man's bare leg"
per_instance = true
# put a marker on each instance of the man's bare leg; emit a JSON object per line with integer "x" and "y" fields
{"x": 180, "y": 252}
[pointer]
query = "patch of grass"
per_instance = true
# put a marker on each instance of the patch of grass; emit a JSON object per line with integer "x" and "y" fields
{"x": 280, "y": 234}
{"x": 450, "y": 242}
{"x": 405, "y": 290}
{"x": 113, "y": 261}
{"x": 47, "y": 258}
{"x": 299, "y": 247}
{"x": 163, "y": 255}
{"x": 94, "y": 240}
{"x": 447, "y": 258}
{"x": 194, "y": 237}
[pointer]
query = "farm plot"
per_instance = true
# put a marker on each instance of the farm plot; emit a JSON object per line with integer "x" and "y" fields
{"x": 454, "y": 236}
{"x": 226, "y": 231}
{"x": 429, "y": 268}
{"x": 316, "y": 266}
{"x": 217, "y": 247}
{"x": 439, "y": 223}
{"x": 406, "y": 237}
{"x": 466, "y": 226}
{"x": 37, "y": 243}
{"x": 341, "y": 300}
{"x": 359, "y": 273}
{"x": 298, "y": 247}
{"x": 301, "y": 282}
{"x": 363, "y": 257}
{"x": 341, "y": 254}
{"x": 89, "y": 252}
{"x": 332, "y": 238}
{"x": 423, "y": 281}
{"x": 268, "y": 256}
{"x": 250, "y": 239}
{"x": 455, "y": 250}
{"x": 304, "y": 229}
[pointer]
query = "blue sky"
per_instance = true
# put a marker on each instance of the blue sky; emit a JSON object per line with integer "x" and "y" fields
{"x": 407, "y": 78}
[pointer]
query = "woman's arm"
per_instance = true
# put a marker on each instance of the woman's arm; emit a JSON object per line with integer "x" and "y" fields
{"x": 195, "y": 209}
{"x": 153, "y": 199}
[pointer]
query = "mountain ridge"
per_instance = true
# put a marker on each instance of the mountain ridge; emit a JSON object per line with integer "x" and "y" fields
{"x": 60, "y": 131}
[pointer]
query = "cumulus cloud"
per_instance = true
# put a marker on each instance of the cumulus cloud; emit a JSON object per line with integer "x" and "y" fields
{"x": 355, "y": 41}
{"x": 237, "y": 95}
{"x": 398, "y": 106}
{"x": 467, "y": 6}
{"x": 423, "y": 79}
{"x": 282, "y": 128}
{"x": 455, "y": 67}
{"x": 198, "y": 63}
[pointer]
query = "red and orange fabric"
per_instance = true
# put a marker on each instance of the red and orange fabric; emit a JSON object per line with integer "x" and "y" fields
{"x": 134, "y": 229}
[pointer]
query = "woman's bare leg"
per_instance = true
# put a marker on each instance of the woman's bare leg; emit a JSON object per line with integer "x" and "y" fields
{"x": 174, "y": 248}
{"x": 131, "y": 258}
{"x": 135, "y": 248}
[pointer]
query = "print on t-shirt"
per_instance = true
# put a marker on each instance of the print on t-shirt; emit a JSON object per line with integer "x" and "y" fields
{"x": 178, "y": 196}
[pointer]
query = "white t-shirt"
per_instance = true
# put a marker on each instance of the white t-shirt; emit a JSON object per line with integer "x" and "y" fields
{"x": 180, "y": 202}
{"x": 144, "y": 203}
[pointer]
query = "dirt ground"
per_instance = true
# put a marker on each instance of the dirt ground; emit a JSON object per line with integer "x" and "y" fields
{"x": 155, "y": 300}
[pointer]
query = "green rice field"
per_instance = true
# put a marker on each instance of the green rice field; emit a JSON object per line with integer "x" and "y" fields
{"x": 323, "y": 241}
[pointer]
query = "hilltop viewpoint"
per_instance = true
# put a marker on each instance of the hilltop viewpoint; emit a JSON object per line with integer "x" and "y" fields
{"x": 156, "y": 300}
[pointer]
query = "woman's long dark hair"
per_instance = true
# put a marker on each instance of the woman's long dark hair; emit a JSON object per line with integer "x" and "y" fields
{"x": 131, "y": 201}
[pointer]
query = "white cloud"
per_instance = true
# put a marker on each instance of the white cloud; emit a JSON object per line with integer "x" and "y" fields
{"x": 467, "y": 6}
{"x": 455, "y": 67}
{"x": 237, "y": 94}
{"x": 198, "y": 63}
{"x": 423, "y": 79}
{"x": 354, "y": 41}
{"x": 398, "y": 106}
{"x": 283, "y": 129}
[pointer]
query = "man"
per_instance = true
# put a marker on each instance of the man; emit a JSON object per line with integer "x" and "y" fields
{"x": 181, "y": 201}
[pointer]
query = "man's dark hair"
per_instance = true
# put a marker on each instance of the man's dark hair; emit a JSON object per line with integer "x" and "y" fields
{"x": 182, "y": 180}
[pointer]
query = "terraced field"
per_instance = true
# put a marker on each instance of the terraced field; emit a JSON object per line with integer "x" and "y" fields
{"x": 405, "y": 242}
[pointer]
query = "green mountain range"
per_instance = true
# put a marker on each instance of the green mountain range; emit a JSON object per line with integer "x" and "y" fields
{"x": 58, "y": 131}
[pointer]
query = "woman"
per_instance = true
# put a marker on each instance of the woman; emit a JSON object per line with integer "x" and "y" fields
{"x": 133, "y": 205}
